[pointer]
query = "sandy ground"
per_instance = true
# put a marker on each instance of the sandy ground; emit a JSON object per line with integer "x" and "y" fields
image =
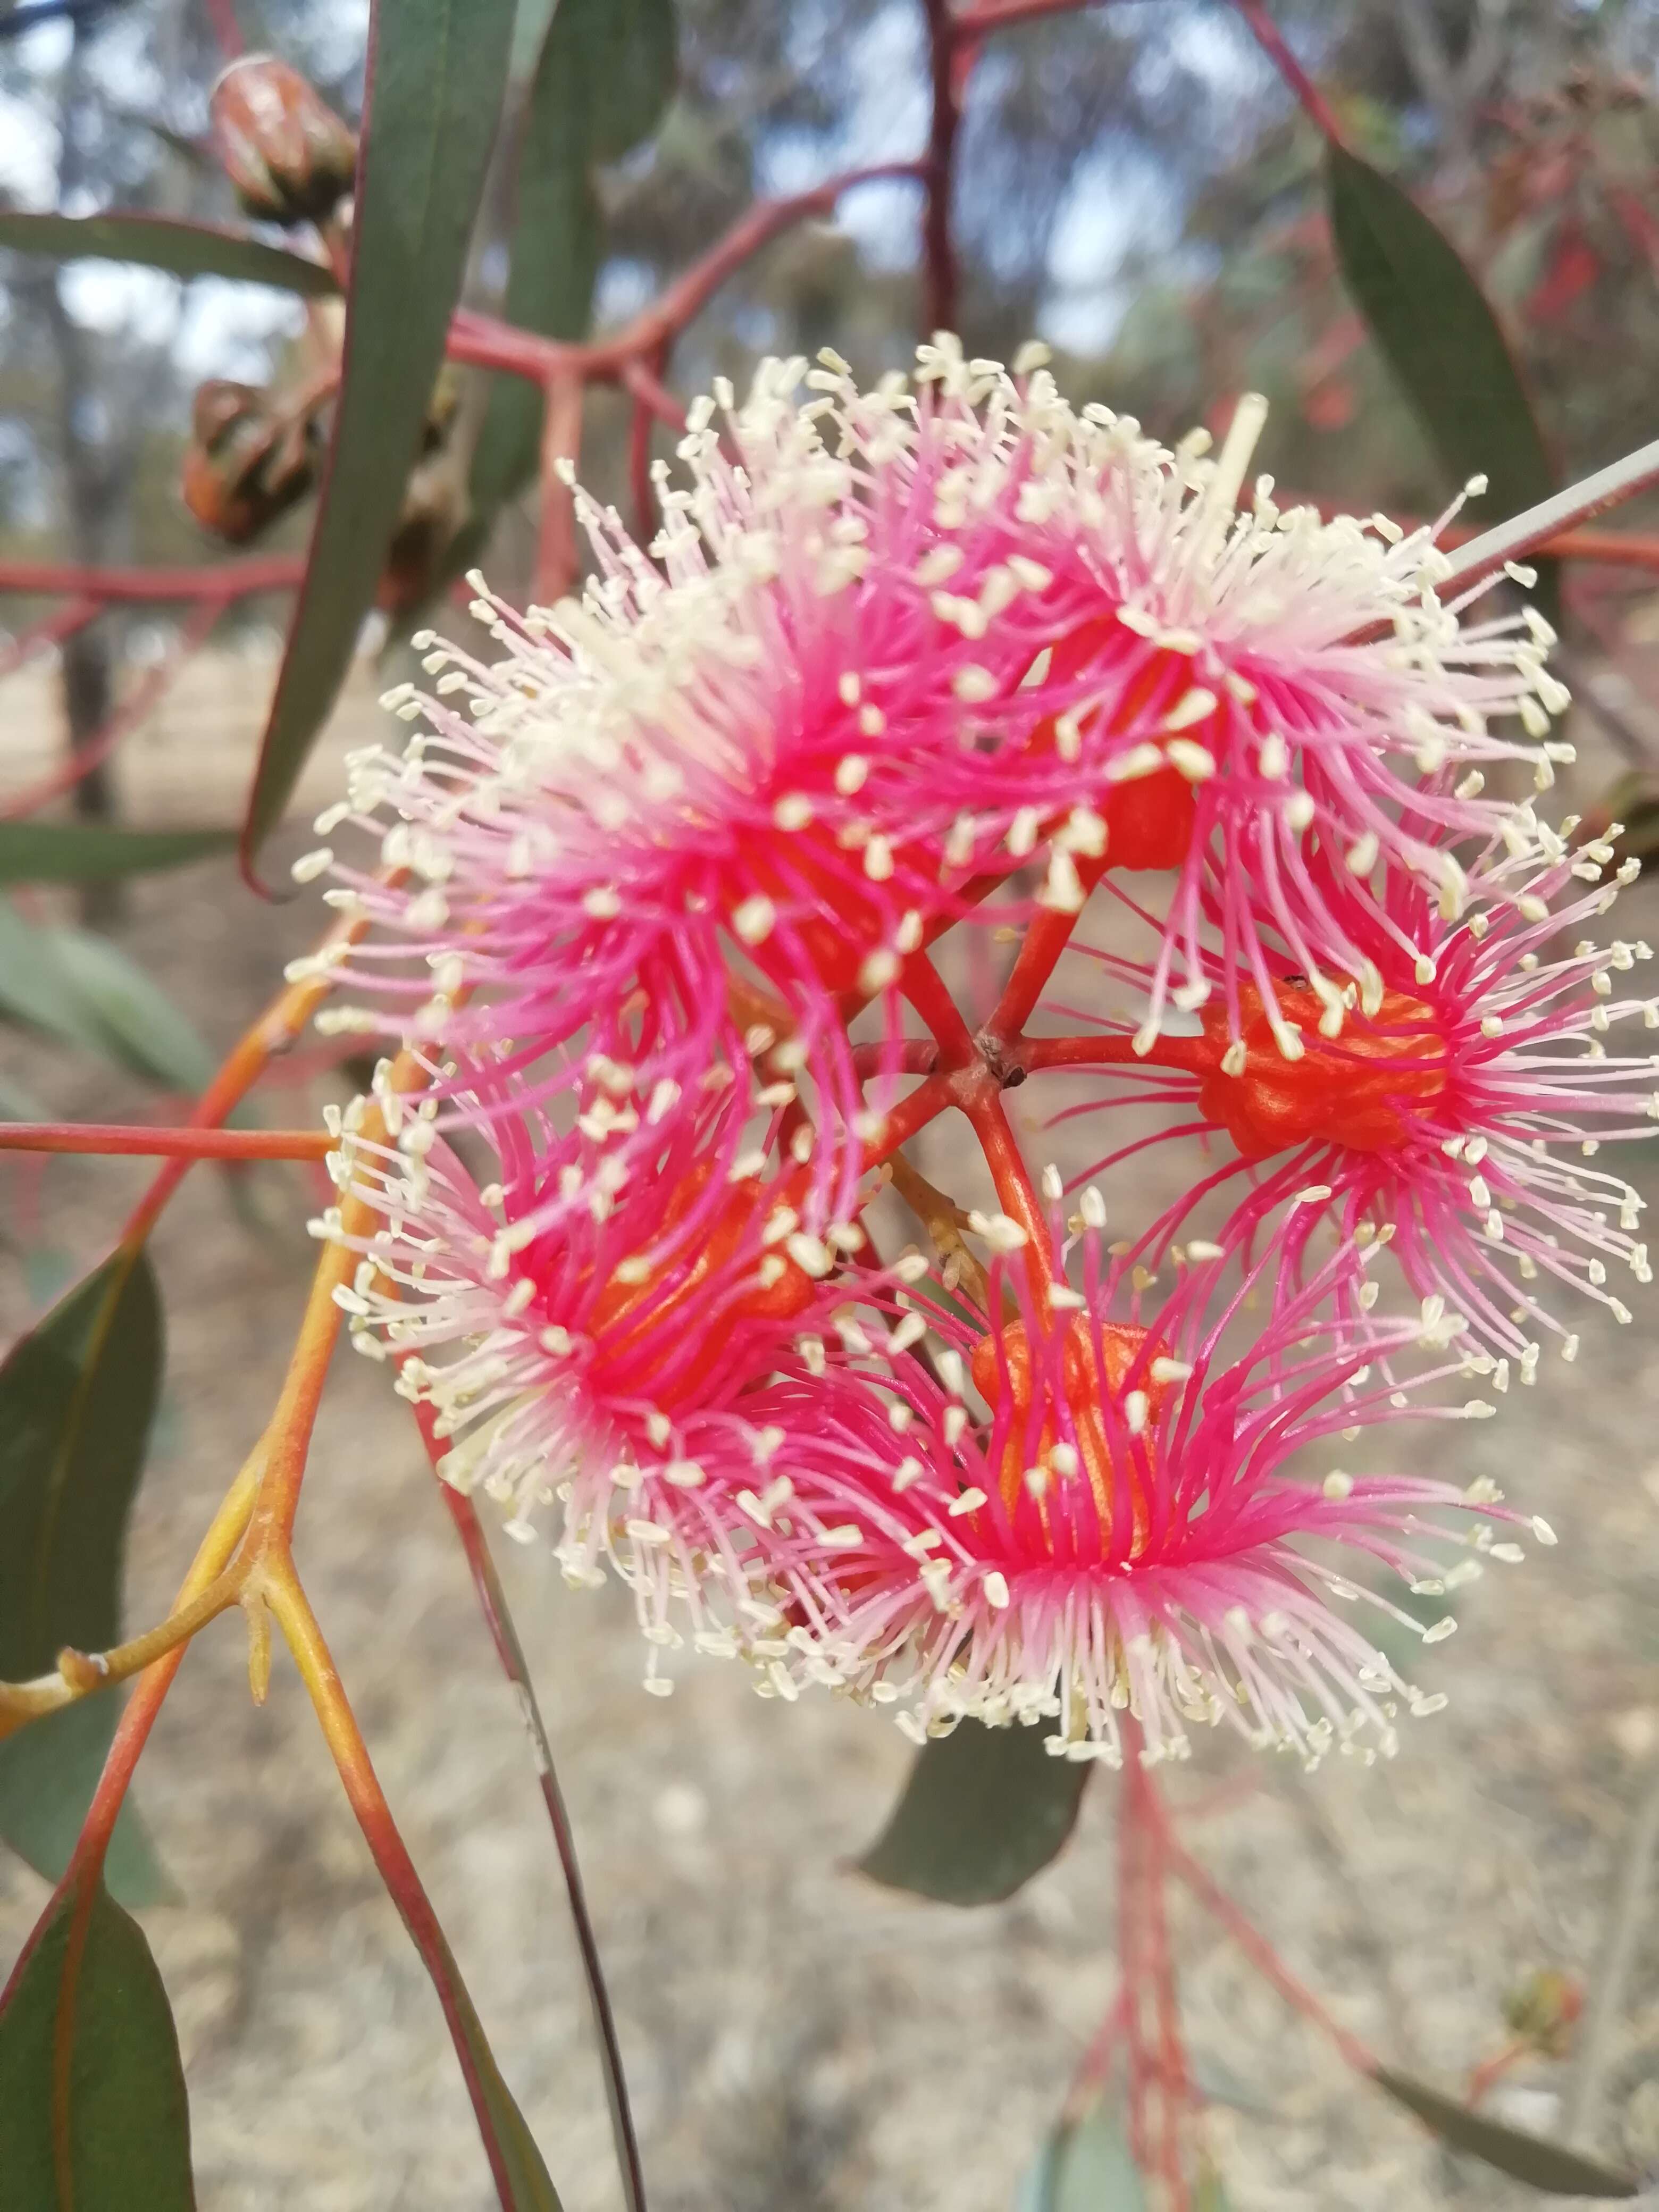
{"x": 797, "y": 2039}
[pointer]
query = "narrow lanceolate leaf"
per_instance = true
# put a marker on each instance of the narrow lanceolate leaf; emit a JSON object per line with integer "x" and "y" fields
{"x": 78, "y": 853}
{"x": 85, "y": 991}
{"x": 1437, "y": 330}
{"x": 604, "y": 76}
{"x": 1552, "y": 2167}
{"x": 983, "y": 1811}
{"x": 145, "y": 1029}
{"x": 184, "y": 249}
{"x": 523, "y": 2181}
{"x": 93, "y": 2113}
{"x": 436, "y": 72}
{"x": 77, "y": 1396}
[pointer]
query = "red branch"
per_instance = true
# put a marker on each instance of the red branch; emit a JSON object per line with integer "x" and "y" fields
{"x": 1271, "y": 39}
{"x": 221, "y": 580}
{"x": 111, "y": 1139}
{"x": 83, "y": 759}
{"x": 51, "y": 629}
{"x": 939, "y": 247}
{"x": 483, "y": 342}
{"x": 558, "y": 559}
{"x": 222, "y": 14}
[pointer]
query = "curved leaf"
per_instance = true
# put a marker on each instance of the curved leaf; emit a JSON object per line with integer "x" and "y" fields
{"x": 77, "y": 1395}
{"x": 1084, "y": 2167}
{"x": 1541, "y": 2164}
{"x": 183, "y": 249}
{"x": 604, "y": 76}
{"x": 436, "y": 72}
{"x": 144, "y": 1027}
{"x": 1437, "y": 330}
{"x": 125, "y": 2144}
{"x": 983, "y": 1811}
{"x": 79, "y": 853}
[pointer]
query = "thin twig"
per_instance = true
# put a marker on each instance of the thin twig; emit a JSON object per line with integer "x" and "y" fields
{"x": 492, "y": 1600}
{"x": 128, "y": 716}
{"x": 1611, "y": 1978}
{"x": 109, "y": 1140}
{"x": 1271, "y": 39}
{"x": 939, "y": 247}
{"x": 223, "y": 580}
{"x": 558, "y": 561}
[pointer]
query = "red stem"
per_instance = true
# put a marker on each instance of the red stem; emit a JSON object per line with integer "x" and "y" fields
{"x": 1193, "y": 1055}
{"x": 924, "y": 988}
{"x": 653, "y": 397}
{"x": 121, "y": 724}
{"x": 558, "y": 562}
{"x": 982, "y": 1104}
{"x": 112, "y": 1139}
{"x": 486, "y": 343}
{"x": 1046, "y": 938}
{"x": 51, "y": 629}
{"x": 222, "y": 14}
{"x": 976, "y": 23}
{"x": 1262, "y": 1956}
{"x": 220, "y": 580}
{"x": 1175, "y": 2088}
{"x": 1271, "y": 40}
{"x": 939, "y": 247}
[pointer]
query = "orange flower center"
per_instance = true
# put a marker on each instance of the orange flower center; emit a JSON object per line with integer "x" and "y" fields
{"x": 1361, "y": 1089}
{"x": 1095, "y": 1367}
{"x": 644, "y": 1323}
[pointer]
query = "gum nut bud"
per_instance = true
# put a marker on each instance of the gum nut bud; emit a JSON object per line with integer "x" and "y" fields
{"x": 290, "y": 157}
{"x": 433, "y": 509}
{"x": 219, "y": 407}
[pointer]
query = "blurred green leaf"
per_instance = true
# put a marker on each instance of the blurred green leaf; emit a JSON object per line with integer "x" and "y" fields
{"x": 1542, "y": 2165}
{"x": 35, "y": 987}
{"x": 437, "y": 69}
{"x": 77, "y": 1395}
{"x": 1437, "y": 333}
{"x": 126, "y": 2140}
{"x": 1211, "y": 2195}
{"x": 144, "y": 1027}
{"x": 1086, "y": 2168}
{"x": 48, "y": 1772}
{"x": 77, "y": 853}
{"x": 605, "y": 76}
{"x": 184, "y": 249}
{"x": 983, "y": 1811}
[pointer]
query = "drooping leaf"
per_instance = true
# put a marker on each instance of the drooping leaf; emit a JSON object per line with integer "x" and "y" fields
{"x": 81, "y": 853}
{"x": 1437, "y": 330}
{"x": 984, "y": 1809}
{"x": 1087, "y": 2167}
{"x": 436, "y": 72}
{"x": 604, "y": 76}
{"x": 1543, "y": 2165}
{"x": 145, "y": 1028}
{"x": 113, "y": 2133}
{"x": 35, "y": 987}
{"x": 77, "y": 1395}
{"x": 183, "y": 249}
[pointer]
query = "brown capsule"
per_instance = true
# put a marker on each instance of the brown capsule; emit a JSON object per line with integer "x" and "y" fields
{"x": 249, "y": 461}
{"x": 290, "y": 157}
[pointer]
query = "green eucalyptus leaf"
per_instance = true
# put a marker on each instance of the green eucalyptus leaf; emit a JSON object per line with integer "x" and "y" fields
{"x": 109, "y": 2132}
{"x": 145, "y": 1029}
{"x": 1437, "y": 330}
{"x": 183, "y": 249}
{"x": 77, "y": 1396}
{"x": 81, "y": 853}
{"x": 1553, "y": 2167}
{"x": 1087, "y": 2167}
{"x": 984, "y": 1810}
{"x": 605, "y": 76}
{"x": 437, "y": 71}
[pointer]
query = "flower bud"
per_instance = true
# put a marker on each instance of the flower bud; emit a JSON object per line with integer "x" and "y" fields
{"x": 288, "y": 155}
{"x": 248, "y": 462}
